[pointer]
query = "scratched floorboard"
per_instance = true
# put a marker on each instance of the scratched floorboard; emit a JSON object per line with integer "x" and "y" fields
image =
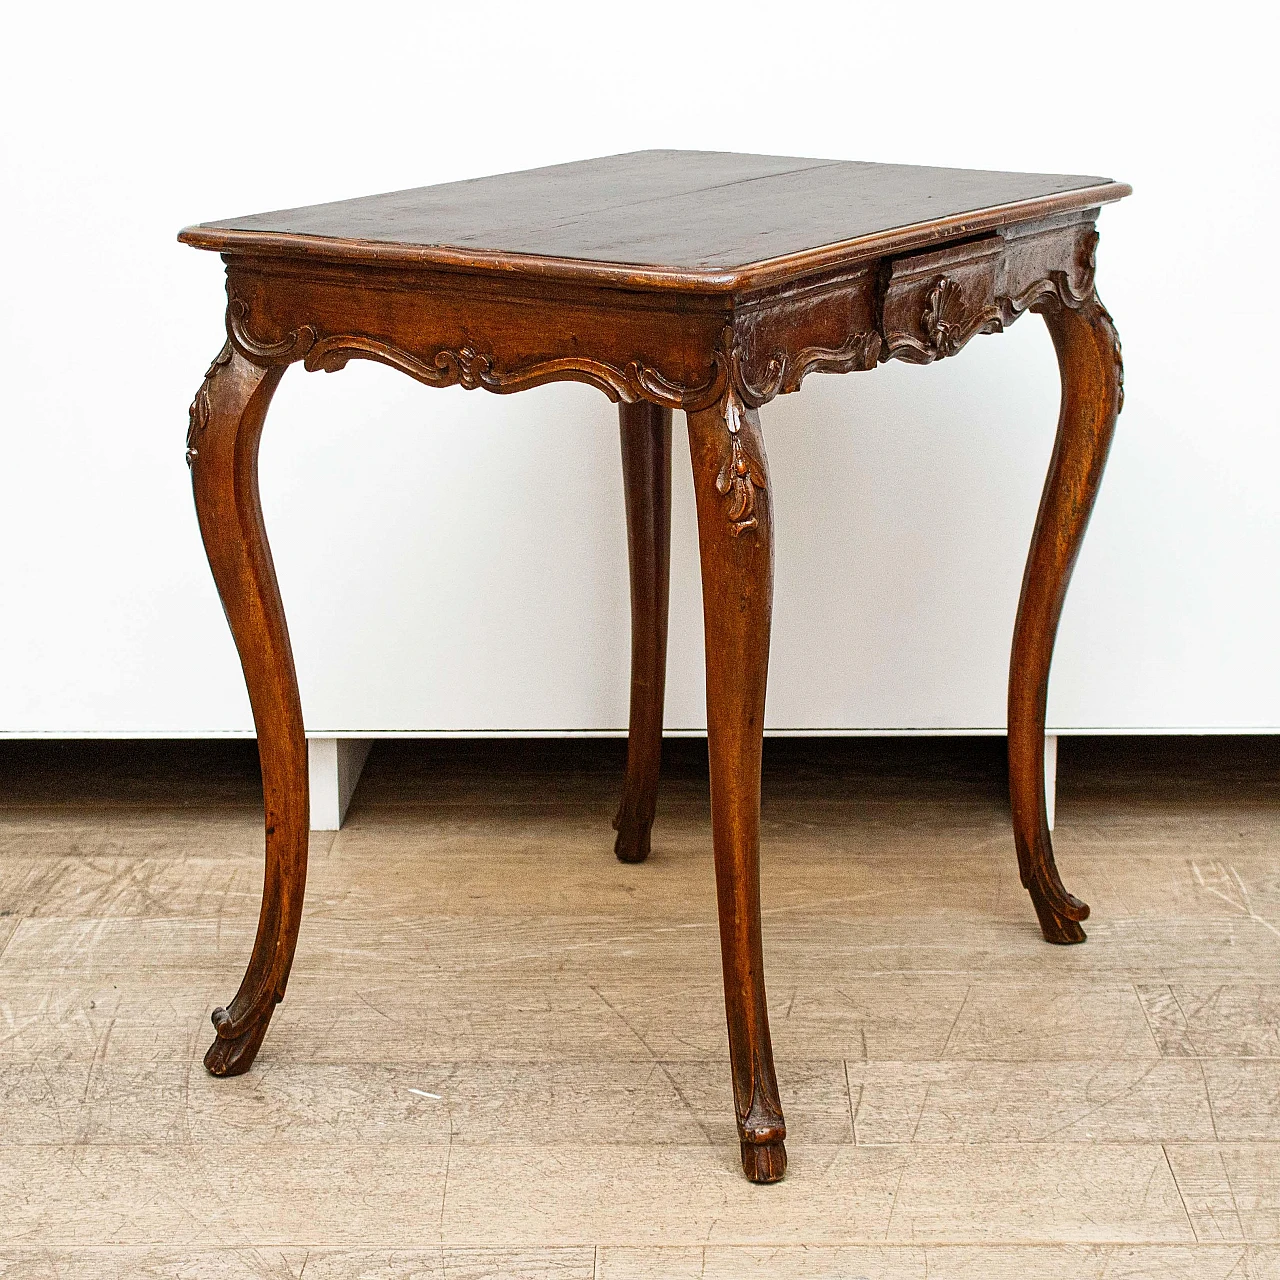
{"x": 503, "y": 1053}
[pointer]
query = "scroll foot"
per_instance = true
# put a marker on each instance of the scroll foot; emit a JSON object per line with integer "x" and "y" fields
{"x": 1059, "y": 929}
{"x": 233, "y": 1055}
{"x": 632, "y": 843}
{"x": 764, "y": 1162}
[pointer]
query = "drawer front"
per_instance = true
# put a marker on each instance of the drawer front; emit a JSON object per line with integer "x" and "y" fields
{"x": 934, "y": 302}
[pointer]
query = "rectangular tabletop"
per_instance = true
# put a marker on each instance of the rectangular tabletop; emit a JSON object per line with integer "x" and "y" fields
{"x": 713, "y": 220}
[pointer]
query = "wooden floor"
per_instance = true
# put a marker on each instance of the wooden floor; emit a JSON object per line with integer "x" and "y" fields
{"x": 503, "y": 1053}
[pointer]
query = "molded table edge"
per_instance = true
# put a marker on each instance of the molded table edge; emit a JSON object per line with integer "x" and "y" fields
{"x": 755, "y": 275}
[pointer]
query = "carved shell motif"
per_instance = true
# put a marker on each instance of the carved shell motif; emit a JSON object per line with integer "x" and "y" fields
{"x": 198, "y": 414}
{"x": 943, "y": 319}
{"x": 740, "y": 475}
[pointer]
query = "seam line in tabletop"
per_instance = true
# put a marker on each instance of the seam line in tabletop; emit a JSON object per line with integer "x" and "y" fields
{"x": 744, "y": 277}
{"x": 534, "y": 230}
{"x": 221, "y": 224}
{"x": 676, "y": 195}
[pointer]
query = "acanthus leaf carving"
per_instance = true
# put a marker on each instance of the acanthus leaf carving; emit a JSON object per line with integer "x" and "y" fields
{"x": 741, "y": 474}
{"x": 1117, "y": 358}
{"x": 198, "y": 413}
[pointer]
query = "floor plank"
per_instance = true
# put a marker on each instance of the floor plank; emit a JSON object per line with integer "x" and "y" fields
{"x": 503, "y": 1053}
{"x": 934, "y": 1262}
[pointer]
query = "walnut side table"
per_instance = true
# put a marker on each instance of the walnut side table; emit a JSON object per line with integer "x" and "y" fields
{"x": 707, "y": 282}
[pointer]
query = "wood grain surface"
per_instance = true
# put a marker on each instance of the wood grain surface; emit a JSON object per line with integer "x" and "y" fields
{"x": 499, "y": 1023}
{"x": 684, "y": 215}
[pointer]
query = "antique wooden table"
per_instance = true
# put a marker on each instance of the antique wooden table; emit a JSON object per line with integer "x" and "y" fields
{"x": 706, "y": 282}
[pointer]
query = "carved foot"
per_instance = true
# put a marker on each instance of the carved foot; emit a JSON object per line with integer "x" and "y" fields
{"x": 232, "y": 1054}
{"x": 764, "y": 1162}
{"x": 1056, "y": 926}
{"x": 632, "y": 844}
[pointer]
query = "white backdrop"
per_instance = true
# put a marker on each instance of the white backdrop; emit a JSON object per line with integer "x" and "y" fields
{"x": 455, "y": 560}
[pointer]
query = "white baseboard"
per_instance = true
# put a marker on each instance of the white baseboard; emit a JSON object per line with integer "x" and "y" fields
{"x": 333, "y": 767}
{"x": 335, "y": 764}
{"x": 1050, "y": 775}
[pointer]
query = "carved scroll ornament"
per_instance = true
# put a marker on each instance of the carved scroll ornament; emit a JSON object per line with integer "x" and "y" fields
{"x": 468, "y": 368}
{"x": 1057, "y": 290}
{"x": 471, "y": 369}
{"x": 946, "y": 330}
{"x": 783, "y": 372}
{"x": 741, "y": 474}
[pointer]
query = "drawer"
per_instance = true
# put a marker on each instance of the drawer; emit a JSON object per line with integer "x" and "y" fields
{"x": 935, "y": 302}
{"x": 932, "y": 303}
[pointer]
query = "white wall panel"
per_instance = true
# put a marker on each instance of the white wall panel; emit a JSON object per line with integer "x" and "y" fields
{"x": 456, "y": 561}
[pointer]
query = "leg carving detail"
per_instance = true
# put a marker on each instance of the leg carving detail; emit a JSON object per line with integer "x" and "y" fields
{"x": 222, "y": 448}
{"x": 646, "y": 477}
{"x": 1092, "y": 393}
{"x": 737, "y": 595}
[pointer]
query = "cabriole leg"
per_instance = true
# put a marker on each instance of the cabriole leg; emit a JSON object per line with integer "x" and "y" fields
{"x": 735, "y": 533}
{"x": 222, "y": 449}
{"x": 1092, "y": 392}
{"x": 646, "y": 478}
